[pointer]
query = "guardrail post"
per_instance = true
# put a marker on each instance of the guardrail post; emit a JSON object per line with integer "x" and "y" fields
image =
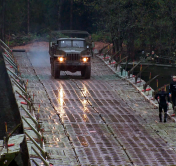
{"x": 110, "y": 60}
{"x": 35, "y": 162}
{"x": 21, "y": 81}
{"x": 44, "y": 161}
{"x": 18, "y": 83}
{"x": 133, "y": 68}
{"x": 147, "y": 83}
{"x": 28, "y": 102}
{"x": 35, "y": 121}
{"x": 120, "y": 62}
{"x": 6, "y": 52}
{"x": 11, "y": 62}
{"x": 44, "y": 154}
{"x": 35, "y": 131}
{"x": 5, "y": 45}
{"x": 140, "y": 74}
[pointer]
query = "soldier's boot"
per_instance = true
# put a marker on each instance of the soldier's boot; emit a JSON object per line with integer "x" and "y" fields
{"x": 160, "y": 117}
{"x": 165, "y": 117}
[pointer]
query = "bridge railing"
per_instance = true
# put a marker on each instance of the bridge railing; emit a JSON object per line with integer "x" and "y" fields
{"x": 21, "y": 90}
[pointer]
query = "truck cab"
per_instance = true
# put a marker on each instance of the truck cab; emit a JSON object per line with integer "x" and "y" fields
{"x": 70, "y": 54}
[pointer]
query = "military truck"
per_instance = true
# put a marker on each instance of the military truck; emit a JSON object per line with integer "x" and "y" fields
{"x": 71, "y": 54}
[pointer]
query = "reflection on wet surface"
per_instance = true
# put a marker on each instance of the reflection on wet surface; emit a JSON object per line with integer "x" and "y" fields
{"x": 98, "y": 117}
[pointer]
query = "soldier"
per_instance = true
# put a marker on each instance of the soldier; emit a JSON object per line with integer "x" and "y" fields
{"x": 90, "y": 43}
{"x": 154, "y": 57}
{"x": 163, "y": 99}
{"x": 148, "y": 57}
{"x": 172, "y": 93}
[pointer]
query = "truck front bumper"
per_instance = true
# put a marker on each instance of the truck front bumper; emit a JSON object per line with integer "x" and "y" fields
{"x": 72, "y": 66}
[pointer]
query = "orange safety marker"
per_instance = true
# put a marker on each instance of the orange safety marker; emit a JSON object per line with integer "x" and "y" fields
{"x": 11, "y": 66}
{"x": 25, "y": 103}
{"x": 6, "y": 54}
{"x": 138, "y": 81}
{"x": 148, "y": 89}
{"x": 9, "y": 145}
{"x": 39, "y": 108}
{"x": 106, "y": 58}
{"x": 26, "y": 85}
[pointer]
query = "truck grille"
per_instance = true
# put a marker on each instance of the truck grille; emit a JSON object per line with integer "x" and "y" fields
{"x": 73, "y": 57}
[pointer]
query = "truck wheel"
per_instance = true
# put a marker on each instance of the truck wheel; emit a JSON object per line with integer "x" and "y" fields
{"x": 83, "y": 72}
{"x": 56, "y": 71}
{"x": 52, "y": 69}
{"x": 87, "y": 72}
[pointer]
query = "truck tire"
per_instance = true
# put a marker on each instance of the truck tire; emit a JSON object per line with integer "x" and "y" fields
{"x": 56, "y": 71}
{"x": 83, "y": 72}
{"x": 87, "y": 72}
{"x": 52, "y": 69}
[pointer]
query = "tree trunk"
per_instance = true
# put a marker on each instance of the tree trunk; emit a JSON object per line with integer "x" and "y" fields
{"x": 71, "y": 15}
{"x": 3, "y": 20}
{"x": 130, "y": 45}
{"x": 28, "y": 18}
{"x": 59, "y": 15}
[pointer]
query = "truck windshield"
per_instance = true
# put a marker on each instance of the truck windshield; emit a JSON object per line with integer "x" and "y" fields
{"x": 71, "y": 43}
{"x": 65, "y": 43}
{"x": 78, "y": 43}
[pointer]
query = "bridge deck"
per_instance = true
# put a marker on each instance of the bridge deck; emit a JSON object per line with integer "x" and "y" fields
{"x": 101, "y": 121}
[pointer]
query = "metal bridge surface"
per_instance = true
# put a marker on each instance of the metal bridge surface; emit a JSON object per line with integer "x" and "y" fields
{"x": 101, "y": 121}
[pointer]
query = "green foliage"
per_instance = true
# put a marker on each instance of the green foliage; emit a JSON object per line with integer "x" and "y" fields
{"x": 139, "y": 24}
{"x": 101, "y": 36}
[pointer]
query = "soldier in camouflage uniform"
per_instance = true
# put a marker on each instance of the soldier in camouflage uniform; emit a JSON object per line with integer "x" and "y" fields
{"x": 90, "y": 43}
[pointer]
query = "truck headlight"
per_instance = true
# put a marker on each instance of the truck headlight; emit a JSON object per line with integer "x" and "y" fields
{"x": 61, "y": 59}
{"x": 85, "y": 59}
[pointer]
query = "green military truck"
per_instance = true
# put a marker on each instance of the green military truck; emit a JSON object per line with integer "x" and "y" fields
{"x": 71, "y": 54}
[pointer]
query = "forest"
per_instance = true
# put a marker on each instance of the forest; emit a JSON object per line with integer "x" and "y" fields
{"x": 138, "y": 24}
